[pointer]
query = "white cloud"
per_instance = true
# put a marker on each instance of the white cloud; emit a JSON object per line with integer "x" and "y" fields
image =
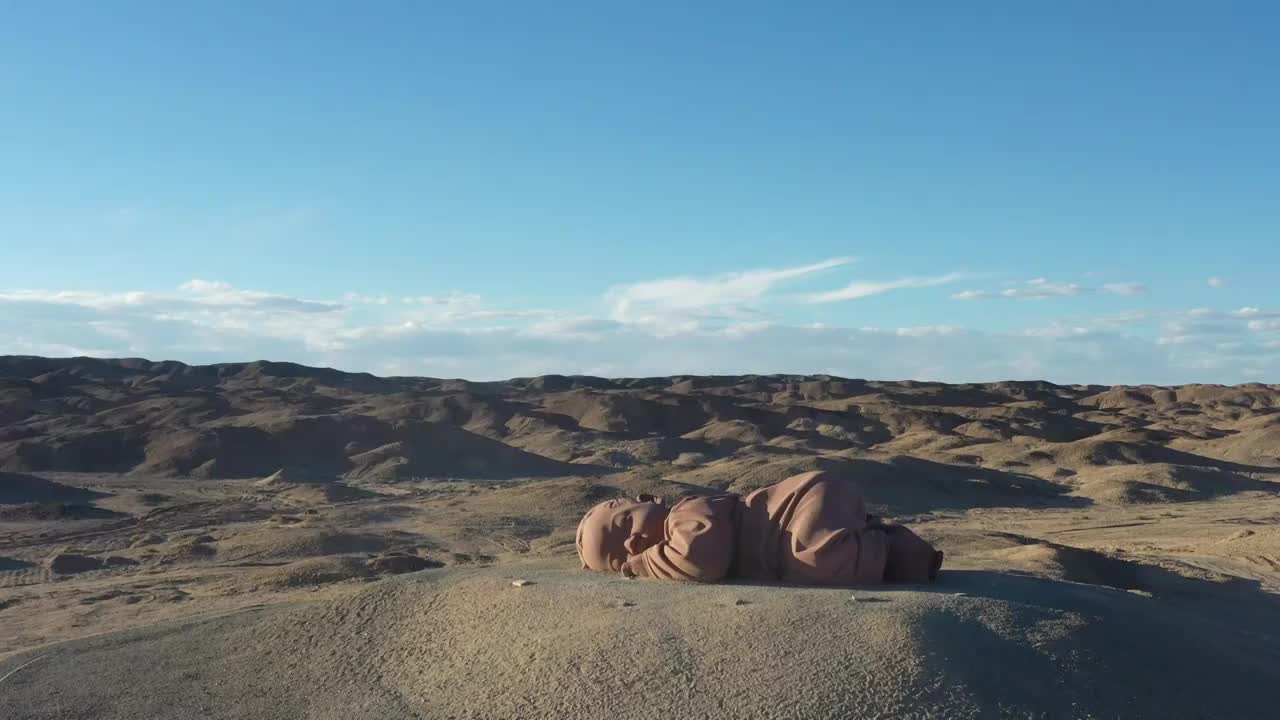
{"x": 1264, "y": 325}
{"x": 746, "y": 328}
{"x": 461, "y": 335}
{"x": 1203, "y": 339}
{"x": 1202, "y": 327}
{"x": 1113, "y": 322}
{"x": 927, "y": 330}
{"x": 220, "y": 294}
{"x": 1126, "y": 318}
{"x": 193, "y": 294}
{"x": 1057, "y": 330}
{"x": 499, "y": 314}
{"x": 764, "y": 348}
{"x": 450, "y": 300}
{"x": 1125, "y": 288}
{"x": 857, "y": 290}
{"x": 1041, "y": 288}
{"x": 1218, "y": 282}
{"x": 683, "y": 303}
{"x": 573, "y": 326}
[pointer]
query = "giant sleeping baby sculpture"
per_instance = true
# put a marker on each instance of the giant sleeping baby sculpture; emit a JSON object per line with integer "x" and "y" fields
{"x": 810, "y": 529}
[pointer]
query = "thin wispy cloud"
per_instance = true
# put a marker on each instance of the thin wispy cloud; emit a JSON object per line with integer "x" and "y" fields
{"x": 1249, "y": 312}
{"x": 1043, "y": 288}
{"x": 927, "y": 330}
{"x": 191, "y": 294}
{"x": 1125, "y": 288}
{"x": 1244, "y": 331}
{"x": 682, "y": 302}
{"x": 1269, "y": 325}
{"x": 863, "y": 289}
{"x": 450, "y": 299}
{"x": 573, "y": 326}
{"x": 360, "y": 298}
{"x": 1218, "y": 282}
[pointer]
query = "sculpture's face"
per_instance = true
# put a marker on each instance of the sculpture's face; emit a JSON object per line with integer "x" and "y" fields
{"x": 617, "y": 529}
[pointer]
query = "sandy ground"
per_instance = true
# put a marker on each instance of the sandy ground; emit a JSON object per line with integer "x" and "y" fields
{"x": 468, "y": 644}
{"x": 1127, "y": 611}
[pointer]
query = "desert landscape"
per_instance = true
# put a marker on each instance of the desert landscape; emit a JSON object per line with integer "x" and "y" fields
{"x": 619, "y": 361}
{"x": 274, "y": 540}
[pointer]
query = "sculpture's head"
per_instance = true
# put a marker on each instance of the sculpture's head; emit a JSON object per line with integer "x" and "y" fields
{"x": 617, "y": 529}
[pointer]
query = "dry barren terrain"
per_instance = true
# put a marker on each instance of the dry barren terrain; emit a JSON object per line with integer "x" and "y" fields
{"x": 272, "y": 540}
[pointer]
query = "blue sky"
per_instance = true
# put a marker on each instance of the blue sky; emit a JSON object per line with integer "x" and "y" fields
{"x": 956, "y": 191}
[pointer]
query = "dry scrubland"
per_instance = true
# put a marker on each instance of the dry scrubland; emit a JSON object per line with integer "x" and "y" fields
{"x": 271, "y": 540}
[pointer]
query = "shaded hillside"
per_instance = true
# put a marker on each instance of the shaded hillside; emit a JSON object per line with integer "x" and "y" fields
{"x": 1012, "y": 442}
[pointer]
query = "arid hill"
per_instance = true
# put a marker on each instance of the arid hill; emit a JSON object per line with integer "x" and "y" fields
{"x": 223, "y": 541}
{"x": 915, "y": 443}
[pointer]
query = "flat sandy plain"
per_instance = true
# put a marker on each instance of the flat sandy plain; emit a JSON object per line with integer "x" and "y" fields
{"x": 276, "y": 541}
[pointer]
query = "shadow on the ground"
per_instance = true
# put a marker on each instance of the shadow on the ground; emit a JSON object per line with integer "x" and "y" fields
{"x": 1215, "y": 638}
{"x": 1151, "y": 582}
{"x": 8, "y": 564}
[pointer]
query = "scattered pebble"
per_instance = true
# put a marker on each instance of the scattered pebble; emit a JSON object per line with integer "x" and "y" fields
{"x": 521, "y": 583}
{"x": 740, "y": 601}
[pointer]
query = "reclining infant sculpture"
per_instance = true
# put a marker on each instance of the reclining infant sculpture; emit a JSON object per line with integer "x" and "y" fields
{"x": 810, "y": 529}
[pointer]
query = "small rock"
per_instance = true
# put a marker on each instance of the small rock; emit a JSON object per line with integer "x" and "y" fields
{"x": 959, "y": 594}
{"x": 521, "y": 583}
{"x": 72, "y": 563}
{"x": 740, "y": 601}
